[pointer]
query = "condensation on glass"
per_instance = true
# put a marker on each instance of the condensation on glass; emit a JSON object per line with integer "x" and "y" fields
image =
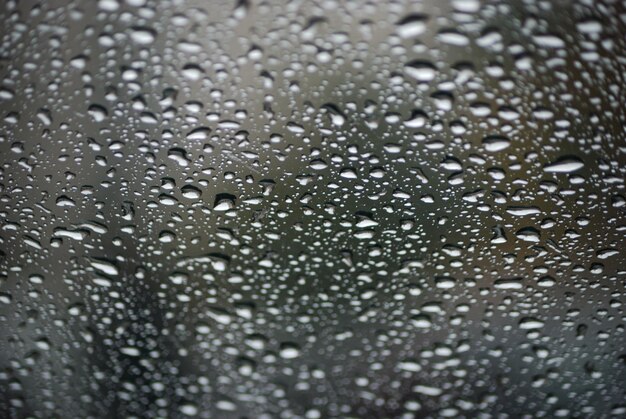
{"x": 312, "y": 209}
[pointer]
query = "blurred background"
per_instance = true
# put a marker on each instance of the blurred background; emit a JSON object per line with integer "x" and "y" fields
{"x": 312, "y": 209}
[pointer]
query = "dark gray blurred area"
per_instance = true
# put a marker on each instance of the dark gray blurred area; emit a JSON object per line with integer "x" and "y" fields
{"x": 312, "y": 209}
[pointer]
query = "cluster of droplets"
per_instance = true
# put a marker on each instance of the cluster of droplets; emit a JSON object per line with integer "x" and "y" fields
{"x": 312, "y": 209}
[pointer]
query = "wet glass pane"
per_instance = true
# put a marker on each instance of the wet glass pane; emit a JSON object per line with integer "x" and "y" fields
{"x": 312, "y": 209}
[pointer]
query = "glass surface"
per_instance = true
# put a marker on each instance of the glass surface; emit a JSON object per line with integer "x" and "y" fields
{"x": 312, "y": 209}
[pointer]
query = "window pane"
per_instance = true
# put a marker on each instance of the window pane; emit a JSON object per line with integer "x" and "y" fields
{"x": 312, "y": 209}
